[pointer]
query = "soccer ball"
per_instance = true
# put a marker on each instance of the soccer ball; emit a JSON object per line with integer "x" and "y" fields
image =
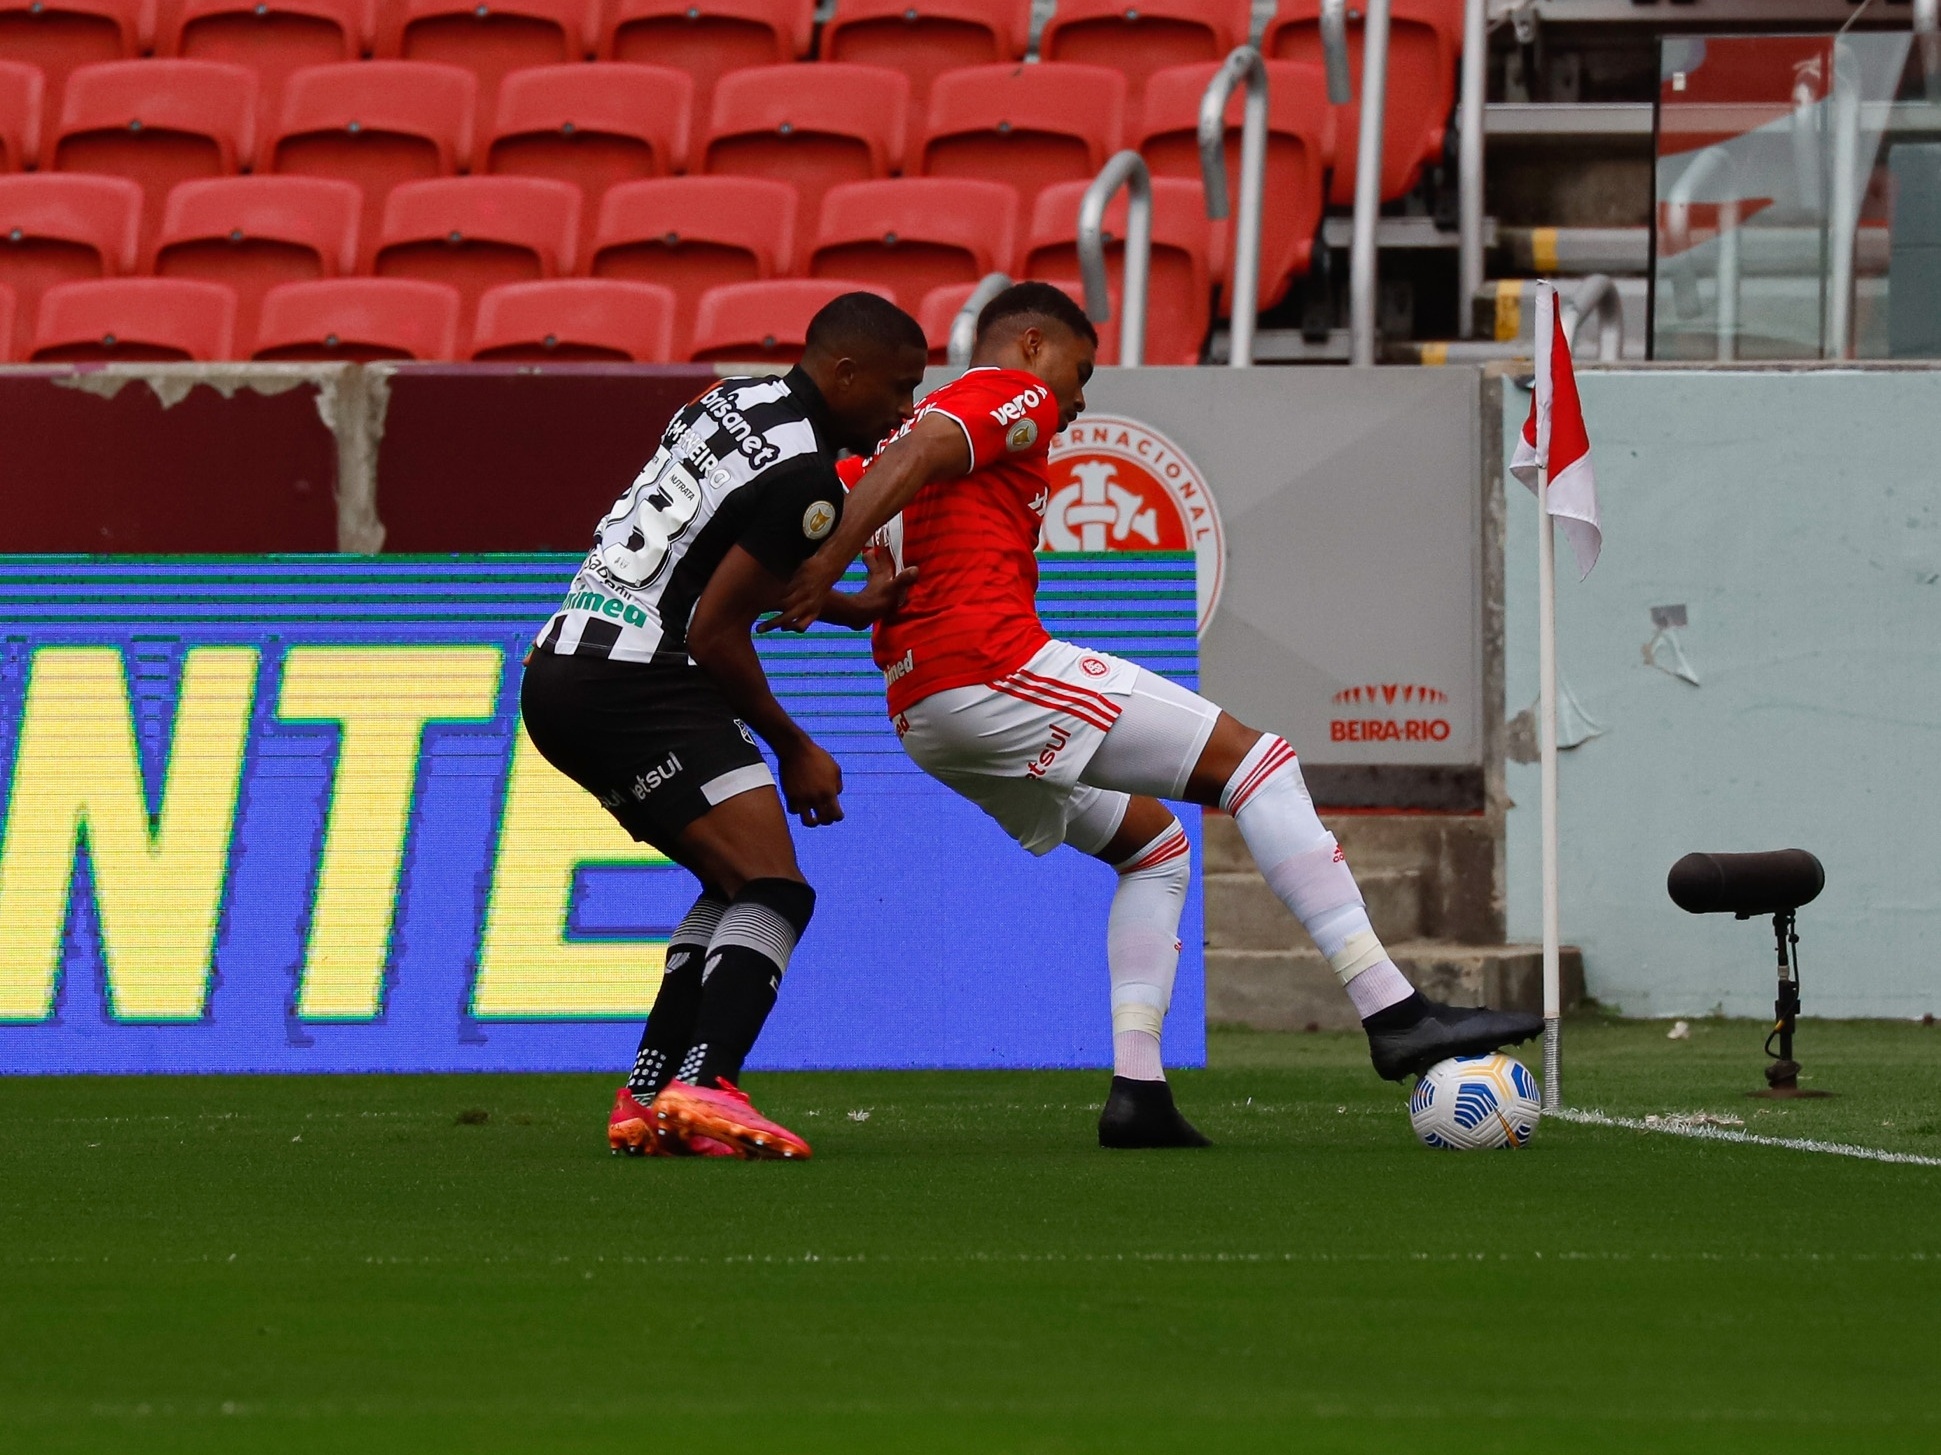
{"x": 1475, "y": 1103}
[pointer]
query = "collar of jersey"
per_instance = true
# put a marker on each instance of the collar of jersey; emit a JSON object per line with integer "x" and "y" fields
{"x": 799, "y": 384}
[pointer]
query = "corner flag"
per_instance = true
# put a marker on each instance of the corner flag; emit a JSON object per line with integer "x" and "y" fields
{"x": 1554, "y": 439}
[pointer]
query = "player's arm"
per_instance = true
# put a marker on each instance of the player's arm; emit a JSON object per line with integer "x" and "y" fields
{"x": 936, "y": 448}
{"x": 718, "y": 640}
{"x": 881, "y": 594}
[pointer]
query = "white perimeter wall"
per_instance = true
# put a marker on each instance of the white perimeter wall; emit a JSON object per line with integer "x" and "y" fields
{"x": 1797, "y": 516}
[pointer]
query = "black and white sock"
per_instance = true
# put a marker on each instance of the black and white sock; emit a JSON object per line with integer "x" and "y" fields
{"x": 746, "y": 959}
{"x": 670, "y": 1026}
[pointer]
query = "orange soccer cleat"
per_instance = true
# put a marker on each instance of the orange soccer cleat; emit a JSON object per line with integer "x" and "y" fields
{"x": 724, "y": 1114}
{"x": 631, "y": 1130}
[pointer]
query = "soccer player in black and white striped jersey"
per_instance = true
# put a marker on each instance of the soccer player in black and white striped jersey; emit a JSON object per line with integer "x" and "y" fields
{"x": 644, "y": 688}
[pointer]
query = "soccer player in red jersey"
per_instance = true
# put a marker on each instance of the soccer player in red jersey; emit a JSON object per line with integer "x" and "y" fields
{"x": 1063, "y": 745}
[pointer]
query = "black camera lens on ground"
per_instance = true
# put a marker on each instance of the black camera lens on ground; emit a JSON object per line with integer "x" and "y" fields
{"x": 1745, "y": 885}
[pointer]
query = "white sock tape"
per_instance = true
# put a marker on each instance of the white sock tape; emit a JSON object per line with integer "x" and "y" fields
{"x": 1138, "y": 1007}
{"x": 1362, "y": 951}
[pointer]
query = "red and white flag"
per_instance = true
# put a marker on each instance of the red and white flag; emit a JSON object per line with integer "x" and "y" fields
{"x": 1554, "y": 439}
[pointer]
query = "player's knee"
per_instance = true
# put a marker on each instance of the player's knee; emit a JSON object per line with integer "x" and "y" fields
{"x": 790, "y": 899}
{"x": 1167, "y": 856}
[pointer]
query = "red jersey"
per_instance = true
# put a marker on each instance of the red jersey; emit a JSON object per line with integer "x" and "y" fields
{"x": 972, "y": 614}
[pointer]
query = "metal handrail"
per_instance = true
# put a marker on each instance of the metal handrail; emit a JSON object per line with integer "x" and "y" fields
{"x": 1127, "y": 169}
{"x": 1334, "y": 51}
{"x": 1927, "y": 33}
{"x": 1597, "y": 295}
{"x": 1469, "y": 160}
{"x": 1843, "y": 202}
{"x": 963, "y": 328}
{"x": 1713, "y": 170}
{"x": 1368, "y": 184}
{"x": 1243, "y": 63}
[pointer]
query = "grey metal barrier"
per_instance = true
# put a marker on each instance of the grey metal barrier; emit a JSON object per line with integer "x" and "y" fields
{"x": 1597, "y": 296}
{"x": 1927, "y": 36}
{"x": 1244, "y": 63}
{"x": 963, "y": 328}
{"x": 1127, "y": 169}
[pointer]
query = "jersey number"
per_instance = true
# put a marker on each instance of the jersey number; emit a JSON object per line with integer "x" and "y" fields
{"x": 653, "y": 514}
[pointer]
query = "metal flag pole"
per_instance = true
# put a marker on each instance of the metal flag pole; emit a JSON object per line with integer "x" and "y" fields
{"x": 1547, "y": 723}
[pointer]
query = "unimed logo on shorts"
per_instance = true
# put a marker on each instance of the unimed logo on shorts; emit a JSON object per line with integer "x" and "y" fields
{"x": 1394, "y": 712}
{"x": 1120, "y": 485}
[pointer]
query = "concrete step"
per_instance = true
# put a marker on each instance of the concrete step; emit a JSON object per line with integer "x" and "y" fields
{"x": 1242, "y": 913}
{"x": 1294, "y": 990}
{"x": 1453, "y": 855}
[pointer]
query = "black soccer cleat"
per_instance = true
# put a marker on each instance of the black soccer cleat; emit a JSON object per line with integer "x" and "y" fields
{"x": 1407, "y": 1039}
{"x": 1142, "y": 1114}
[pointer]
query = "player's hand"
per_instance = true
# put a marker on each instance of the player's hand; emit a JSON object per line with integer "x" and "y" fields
{"x": 883, "y": 592}
{"x": 810, "y": 584}
{"x": 811, "y": 785}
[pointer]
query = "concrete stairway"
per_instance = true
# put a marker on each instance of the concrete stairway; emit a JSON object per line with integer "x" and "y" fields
{"x": 1431, "y": 882}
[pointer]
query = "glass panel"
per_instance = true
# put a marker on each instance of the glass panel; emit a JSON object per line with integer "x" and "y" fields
{"x": 1798, "y": 198}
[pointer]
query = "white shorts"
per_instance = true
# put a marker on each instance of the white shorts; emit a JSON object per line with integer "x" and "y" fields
{"x": 1053, "y": 751}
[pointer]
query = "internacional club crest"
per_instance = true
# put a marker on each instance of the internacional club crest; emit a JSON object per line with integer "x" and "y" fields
{"x": 1119, "y": 485}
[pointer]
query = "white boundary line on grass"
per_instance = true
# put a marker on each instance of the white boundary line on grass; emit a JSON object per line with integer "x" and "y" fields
{"x": 1592, "y": 1118}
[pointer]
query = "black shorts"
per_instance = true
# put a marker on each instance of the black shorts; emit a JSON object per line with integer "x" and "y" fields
{"x": 657, "y": 745}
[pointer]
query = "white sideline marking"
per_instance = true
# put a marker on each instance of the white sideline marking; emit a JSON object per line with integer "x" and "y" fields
{"x": 1591, "y": 1118}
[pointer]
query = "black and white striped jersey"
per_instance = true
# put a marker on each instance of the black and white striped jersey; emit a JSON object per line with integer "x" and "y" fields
{"x": 749, "y": 463}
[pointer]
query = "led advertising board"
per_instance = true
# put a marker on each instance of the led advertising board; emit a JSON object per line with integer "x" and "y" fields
{"x": 277, "y": 814}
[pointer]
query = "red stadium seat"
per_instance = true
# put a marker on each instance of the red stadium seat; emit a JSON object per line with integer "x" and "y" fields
{"x": 707, "y": 38}
{"x": 157, "y": 123}
{"x": 925, "y": 38}
{"x": 56, "y": 229}
{"x": 1138, "y": 39}
{"x": 375, "y": 123}
{"x": 59, "y": 35}
{"x": 915, "y": 234}
{"x": 22, "y": 99}
{"x": 6, "y": 324}
{"x": 1300, "y": 149}
{"x": 489, "y": 40}
{"x": 357, "y": 320}
{"x": 135, "y": 319}
{"x": 1030, "y": 126}
{"x": 1179, "y": 290}
{"x": 1424, "y": 41}
{"x": 691, "y": 234}
{"x": 938, "y": 312}
{"x": 253, "y": 233}
{"x": 764, "y": 322}
{"x": 588, "y": 319}
{"x": 272, "y": 37}
{"x": 812, "y": 126}
{"x": 594, "y": 126}
{"x": 475, "y": 233}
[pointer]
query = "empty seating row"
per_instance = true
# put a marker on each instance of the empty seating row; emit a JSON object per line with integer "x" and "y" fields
{"x": 379, "y": 125}
{"x": 910, "y": 237}
{"x": 707, "y": 40}
{"x": 360, "y": 320}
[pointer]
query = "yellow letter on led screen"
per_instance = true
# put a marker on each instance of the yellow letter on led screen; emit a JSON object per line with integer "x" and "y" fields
{"x": 381, "y": 697}
{"x": 158, "y": 882}
{"x": 528, "y": 969}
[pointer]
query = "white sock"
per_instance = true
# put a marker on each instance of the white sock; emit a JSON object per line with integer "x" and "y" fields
{"x": 1142, "y": 948}
{"x": 1305, "y": 867}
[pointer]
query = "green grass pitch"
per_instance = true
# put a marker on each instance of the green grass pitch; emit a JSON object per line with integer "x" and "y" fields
{"x": 363, "y": 1264}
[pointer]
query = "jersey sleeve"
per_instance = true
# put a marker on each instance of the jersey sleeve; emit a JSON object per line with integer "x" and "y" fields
{"x": 798, "y": 509}
{"x": 1005, "y": 415}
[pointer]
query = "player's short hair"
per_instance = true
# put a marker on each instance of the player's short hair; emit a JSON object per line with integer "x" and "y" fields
{"x": 855, "y": 323}
{"x": 1033, "y": 302}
